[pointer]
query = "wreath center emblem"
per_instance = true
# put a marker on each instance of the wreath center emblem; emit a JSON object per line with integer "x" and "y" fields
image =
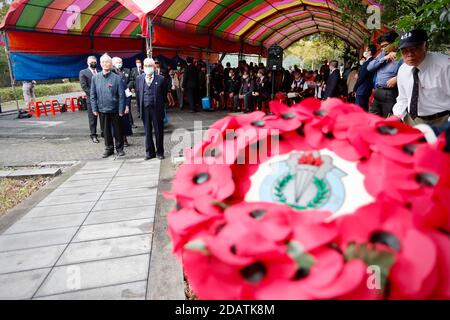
{"x": 312, "y": 180}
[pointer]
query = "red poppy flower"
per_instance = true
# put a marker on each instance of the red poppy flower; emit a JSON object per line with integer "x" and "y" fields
{"x": 390, "y": 227}
{"x": 199, "y": 180}
{"x": 285, "y": 119}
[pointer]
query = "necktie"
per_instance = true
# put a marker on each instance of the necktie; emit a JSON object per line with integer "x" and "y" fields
{"x": 413, "y": 107}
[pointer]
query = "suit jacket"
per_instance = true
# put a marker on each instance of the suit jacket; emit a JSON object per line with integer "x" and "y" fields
{"x": 263, "y": 87}
{"x": 133, "y": 76}
{"x": 161, "y": 93}
{"x": 125, "y": 74}
{"x": 191, "y": 78}
{"x": 86, "y": 80}
{"x": 364, "y": 84}
{"x": 332, "y": 89}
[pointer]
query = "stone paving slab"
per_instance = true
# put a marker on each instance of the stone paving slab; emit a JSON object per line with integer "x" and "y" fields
{"x": 82, "y": 207}
{"x": 9, "y": 242}
{"x": 95, "y": 274}
{"x": 117, "y": 215}
{"x": 114, "y": 229}
{"x": 49, "y": 172}
{"x": 21, "y": 285}
{"x": 127, "y": 291}
{"x": 29, "y": 259}
{"x": 54, "y": 200}
{"x": 47, "y": 223}
{"x": 123, "y": 203}
{"x": 88, "y": 238}
{"x": 106, "y": 249}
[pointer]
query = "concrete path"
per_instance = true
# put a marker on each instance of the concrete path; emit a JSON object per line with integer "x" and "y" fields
{"x": 91, "y": 238}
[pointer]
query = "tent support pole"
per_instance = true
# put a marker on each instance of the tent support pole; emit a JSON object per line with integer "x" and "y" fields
{"x": 149, "y": 38}
{"x": 11, "y": 74}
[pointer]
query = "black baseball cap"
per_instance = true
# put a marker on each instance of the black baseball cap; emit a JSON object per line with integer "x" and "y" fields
{"x": 413, "y": 38}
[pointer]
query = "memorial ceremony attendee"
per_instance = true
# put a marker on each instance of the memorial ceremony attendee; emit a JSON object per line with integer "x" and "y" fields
{"x": 423, "y": 82}
{"x": 108, "y": 102}
{"x": 150, "y": 93}
{"x": 85, "y": 83}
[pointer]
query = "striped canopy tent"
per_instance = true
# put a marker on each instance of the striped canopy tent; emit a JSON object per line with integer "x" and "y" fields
{"x": 51, "y": 38}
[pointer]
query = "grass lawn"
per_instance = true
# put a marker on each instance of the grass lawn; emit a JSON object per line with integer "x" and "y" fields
{"x": 14, "y": 190}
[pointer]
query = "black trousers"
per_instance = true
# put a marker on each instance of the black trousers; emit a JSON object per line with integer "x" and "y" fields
{"x": 384, "y": 101}
{"x": 362, "y": 101}
{"x": 110, "y": 120}
{"x": 153, "y": 120}
{"x": 191, "y": 95}
{"x": 92, "y": 120}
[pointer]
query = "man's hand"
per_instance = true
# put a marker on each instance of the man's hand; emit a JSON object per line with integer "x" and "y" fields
{"x": 391, "y": 83}
{"x": 127, "y": 110}
{"x": 95, "y": 113}
{"x": 120, "y": 114}
{"x": 390, "y": 56}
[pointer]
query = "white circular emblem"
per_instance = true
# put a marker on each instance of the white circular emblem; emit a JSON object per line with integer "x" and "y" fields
{"x": 318, "y": 180}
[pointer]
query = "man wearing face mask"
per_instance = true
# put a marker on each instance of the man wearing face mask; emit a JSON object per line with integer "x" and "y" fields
{"x": 245, "y": 92}
{"x": 385, "y": 66}
{"x": 231, "y": 90}
{"x": 85, "y": 82}
{"x": 151, "y": 91}
{"x": 179, "y": 75}
{"x": 364, "y": 83}
{"x": 135, "y": 73}
{"x": 262, "y": 88}
{"x": 108, "y": 101}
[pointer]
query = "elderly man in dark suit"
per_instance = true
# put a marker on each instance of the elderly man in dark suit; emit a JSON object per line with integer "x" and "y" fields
{"x": 85, "y": 82}
{"x": 108, "y": 101}
{"x": 150, "y": 93}
{"x": 332, "y": 86}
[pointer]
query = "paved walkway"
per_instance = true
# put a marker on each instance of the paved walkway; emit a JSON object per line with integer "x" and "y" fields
{"x": 91, "y": 238}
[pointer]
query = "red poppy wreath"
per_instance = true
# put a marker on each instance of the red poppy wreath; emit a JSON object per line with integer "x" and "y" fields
{"x": 314, "y": 201}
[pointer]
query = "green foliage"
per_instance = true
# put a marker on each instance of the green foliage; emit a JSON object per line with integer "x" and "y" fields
{"x": 405, "y": 15}
{"x": 317, "y": 48}
{"x": 41, "y": 90}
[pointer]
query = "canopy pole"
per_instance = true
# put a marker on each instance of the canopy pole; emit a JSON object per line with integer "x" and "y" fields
{"x": 149, "y": 38}
{"x": 11, "y": 75}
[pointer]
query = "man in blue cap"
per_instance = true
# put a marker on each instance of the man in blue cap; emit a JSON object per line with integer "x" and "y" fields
{"x": 423, "y": 82}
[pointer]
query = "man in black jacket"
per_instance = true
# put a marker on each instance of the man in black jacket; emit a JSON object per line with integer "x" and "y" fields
{"x": 364, "y": 84}
{"x": 85, "y": 82}
{"x": 191, "y": 83}
{"x": 332, "y": 86}
{"x": 108, "y": 101}
{"x": 262, "y": 90}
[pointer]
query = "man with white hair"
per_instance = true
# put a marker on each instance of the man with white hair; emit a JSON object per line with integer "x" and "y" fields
{"x": 108, "y": 101}
{"x": 86, "y": 76}
{"x": 150, "y": 93}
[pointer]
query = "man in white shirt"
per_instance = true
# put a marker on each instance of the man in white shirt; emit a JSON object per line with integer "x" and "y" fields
{"x": 423, "y": 82}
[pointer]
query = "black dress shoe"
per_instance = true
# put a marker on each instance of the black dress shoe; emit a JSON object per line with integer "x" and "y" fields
{"x": 161, "y": 157}
{"x": 120, "y": 153}
{"x": 107, "y": 154}
{"x": 95, "y": 140}
{"x": 149, "y": 158}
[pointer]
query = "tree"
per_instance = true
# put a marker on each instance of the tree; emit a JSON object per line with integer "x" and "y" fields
{"x": 404, "y": 15}
{"x": 313, "y": 50}
{"x": 4, "y": 6}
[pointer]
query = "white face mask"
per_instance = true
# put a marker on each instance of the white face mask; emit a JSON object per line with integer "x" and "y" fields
{"x": 245, "y": 76}
{"x": 366, "y": 54}
{"x": 118, "y": 66}
{"x": 178, "y": 68}
{"x": 149, "y": 70}
{"x": 231, "y": 75}
{"x": 139, "y": 65}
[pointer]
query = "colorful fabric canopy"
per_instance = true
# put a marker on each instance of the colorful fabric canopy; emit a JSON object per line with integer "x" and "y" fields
{"x": 256, "y": 23}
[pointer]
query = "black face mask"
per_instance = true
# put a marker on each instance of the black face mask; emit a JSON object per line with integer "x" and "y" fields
{"x": 93, "y": 65}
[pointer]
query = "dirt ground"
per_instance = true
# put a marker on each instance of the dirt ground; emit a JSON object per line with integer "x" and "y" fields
{"x": 14, "y": 190}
